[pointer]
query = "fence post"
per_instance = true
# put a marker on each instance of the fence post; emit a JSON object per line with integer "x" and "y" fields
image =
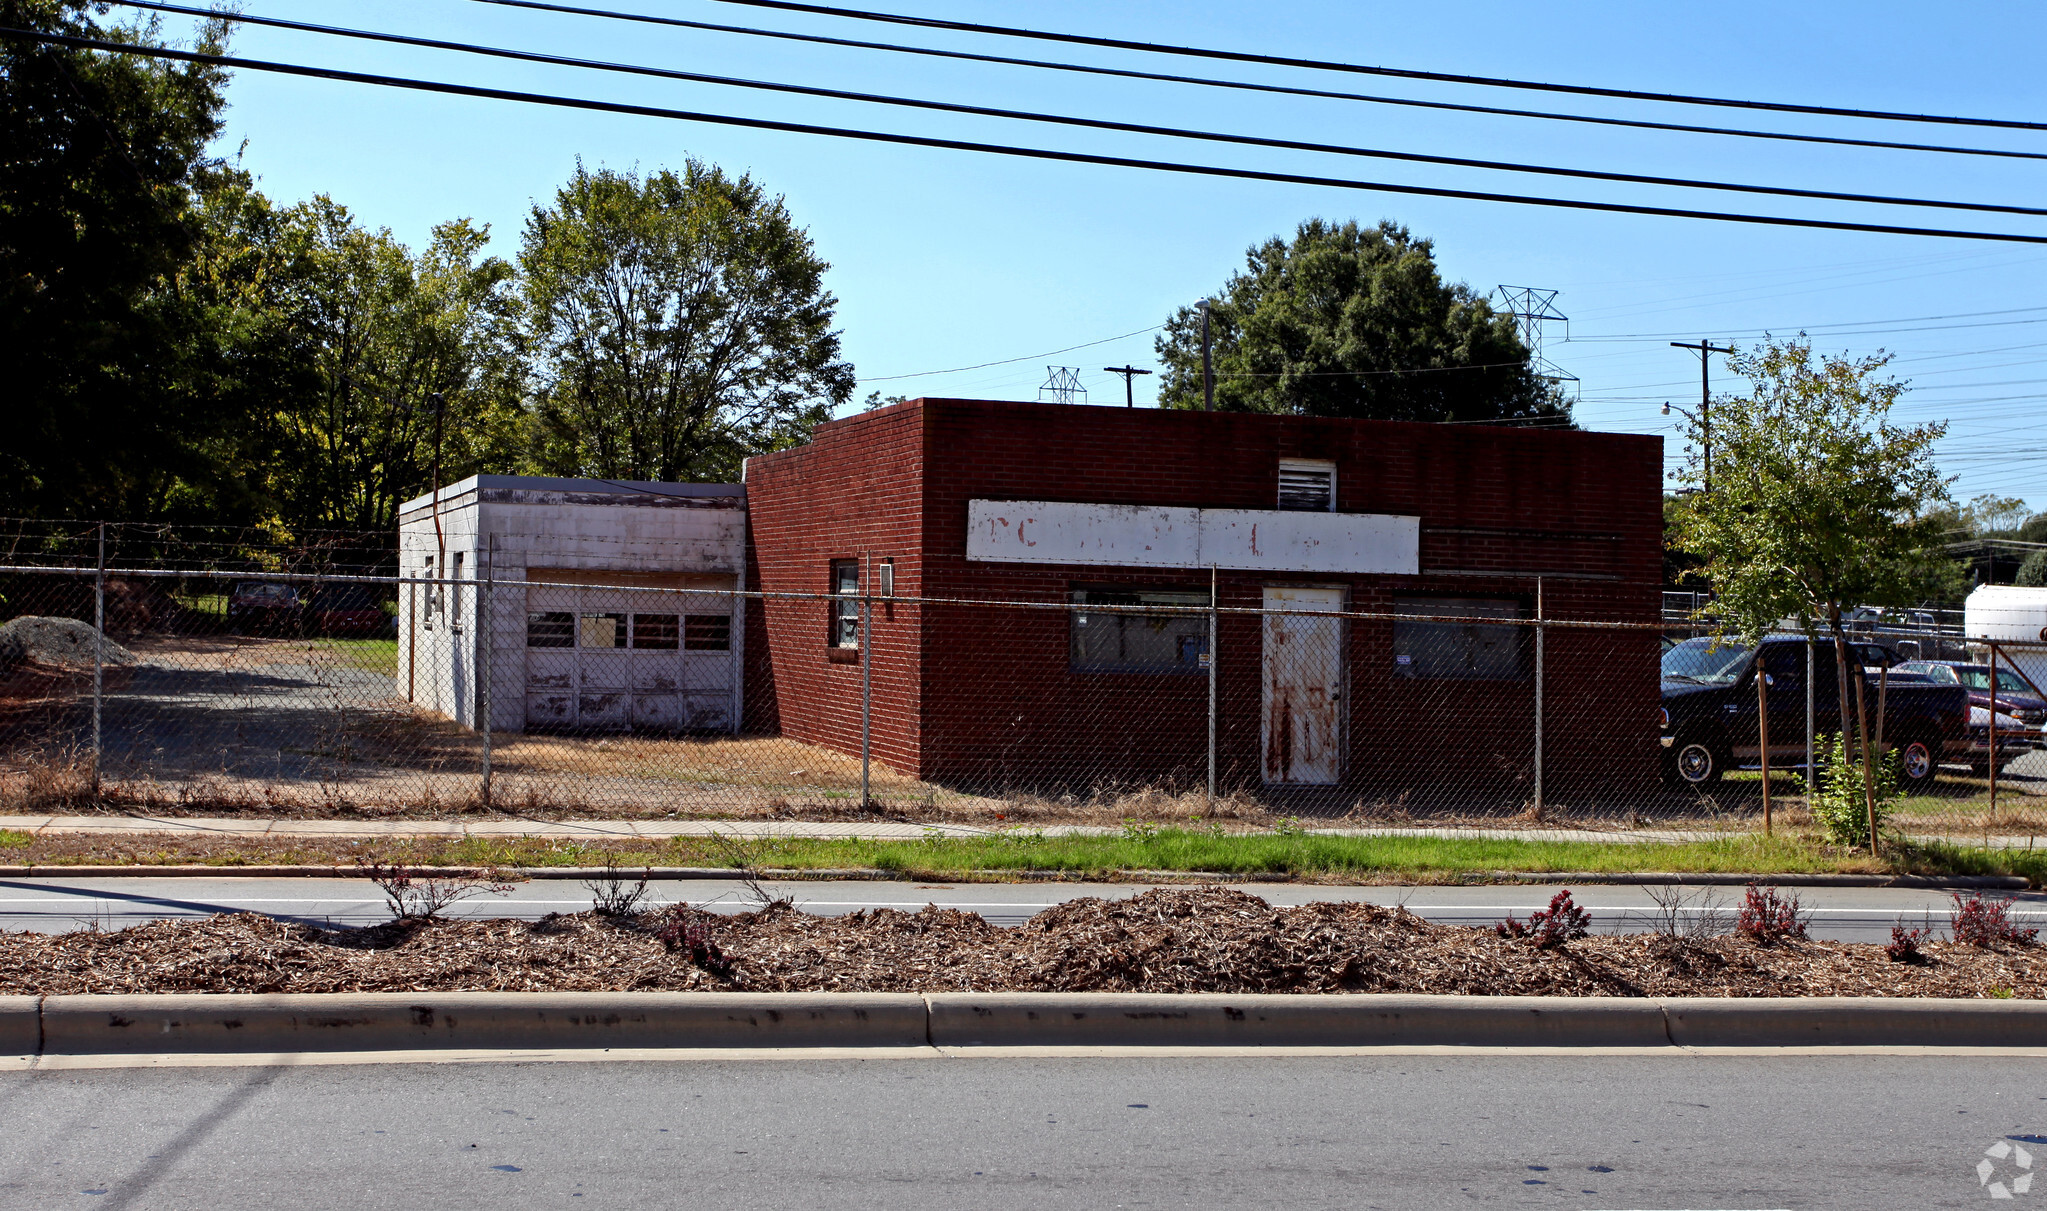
{"x": 866, "y": 679}
{"x": 1763, "y": 731}
{"x": 1811, "y": 767}
{"x": 486, "y": 639}
{"x": 1992, "y": 753}
{"x": 99, "y": 642}
{"x": 1211, "y": 685}
{"x": 1539, "y": 636}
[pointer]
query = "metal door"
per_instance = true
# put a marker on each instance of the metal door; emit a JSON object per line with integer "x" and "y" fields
{"x": 1301, "y": 699}
{"x": 550, "y": 657}
{"x": 604, "y": 664}
{"x": 613, "y": 660}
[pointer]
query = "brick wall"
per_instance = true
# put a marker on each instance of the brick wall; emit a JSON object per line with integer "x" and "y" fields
{"x": 989, "y": 697}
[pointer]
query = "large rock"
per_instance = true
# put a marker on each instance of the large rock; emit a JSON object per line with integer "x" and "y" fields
{"x": 61, "y": 641}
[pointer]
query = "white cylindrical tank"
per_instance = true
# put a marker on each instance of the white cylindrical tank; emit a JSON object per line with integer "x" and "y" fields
{"x": 2016, "y": 618}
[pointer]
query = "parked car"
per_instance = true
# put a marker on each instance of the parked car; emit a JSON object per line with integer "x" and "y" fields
{"x": 2021, "y": 711}
{"x": 1912, "y": 634}
{"x": 263, "y": 605}
{"x": 1709, "y": 717}
{"x": 345, "y": 609}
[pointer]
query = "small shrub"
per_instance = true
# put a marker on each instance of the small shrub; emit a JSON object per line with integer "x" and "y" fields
{"x": 1838, "y": 806}
{"x": 686, "y": 930}
{"x": 1904, "y": 945}
{"x": 1548, "y": 928}
{"x": 612, "y": 896}
{"x": 417, "y": 896}
{"x": 1768, "y": 918}
{"x": 1980, "y": 921}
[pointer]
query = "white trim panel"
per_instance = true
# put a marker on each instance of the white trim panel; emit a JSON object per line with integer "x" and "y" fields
{"x": 1039, "y": 531}
{"x": 1144, "y": 536}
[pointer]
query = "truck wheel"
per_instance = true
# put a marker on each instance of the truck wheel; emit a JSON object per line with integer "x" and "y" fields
{"x": 1693, "y": 762}
{"x": 1917, "y": 763}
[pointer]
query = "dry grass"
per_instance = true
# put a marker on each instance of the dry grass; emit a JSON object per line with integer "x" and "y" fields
{"x": 1200, "y": 940}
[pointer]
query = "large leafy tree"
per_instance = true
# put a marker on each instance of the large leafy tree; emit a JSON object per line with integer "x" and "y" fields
{"x": 1352, "y": 321}
{"x": 102, "y": 161}
{"x": 404, "y": 362}
{"x": 1819, "y": 500}
{"x": 679, "y": 323}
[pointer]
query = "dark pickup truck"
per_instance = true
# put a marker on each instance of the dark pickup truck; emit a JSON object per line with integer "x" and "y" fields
{"x": 1709, "y": 720}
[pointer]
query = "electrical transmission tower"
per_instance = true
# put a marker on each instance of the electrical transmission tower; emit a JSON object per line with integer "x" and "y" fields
{"x": 1062, "y": 386}
{"x": 1531, "y": 309}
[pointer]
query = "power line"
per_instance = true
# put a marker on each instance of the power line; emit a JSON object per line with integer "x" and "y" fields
{"x": 1032, "y": 153}
{"x": 1008, "y": 361}
{"x": 1170, "y": 132}
{"x": 1233, "y": 56}
{"x": 1249, "y": 86}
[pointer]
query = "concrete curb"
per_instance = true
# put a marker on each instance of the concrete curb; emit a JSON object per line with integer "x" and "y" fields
{"x": 472, "y": 1021}
{"x": 781, "y": 874}
{"x": 100, "y": 1025}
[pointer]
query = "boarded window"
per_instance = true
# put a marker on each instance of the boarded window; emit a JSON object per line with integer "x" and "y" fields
{"x": 600, "y": 631}
{"x": 1460, "y": 651}
{"x": 550, "y": 629}
{"x": 1307, "y": 485}
{"x": 1136, "y": 642}
{"x": 655, "y": 631}
{"x": 846, "y": 603}
{"x": 707, "y": 632}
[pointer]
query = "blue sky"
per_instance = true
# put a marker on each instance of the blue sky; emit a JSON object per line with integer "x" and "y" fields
{"x": 944, "y": 259}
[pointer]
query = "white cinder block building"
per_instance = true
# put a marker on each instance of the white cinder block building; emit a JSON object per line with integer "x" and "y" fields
{"x": 588, "y": 604}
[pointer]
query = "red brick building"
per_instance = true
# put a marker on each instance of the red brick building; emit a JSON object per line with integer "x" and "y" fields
{"x": 1069, "y": 507}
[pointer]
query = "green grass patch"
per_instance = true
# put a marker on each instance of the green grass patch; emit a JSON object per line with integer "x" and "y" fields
{"x": 369, "y": 655}
{"x": 10, "y": 839}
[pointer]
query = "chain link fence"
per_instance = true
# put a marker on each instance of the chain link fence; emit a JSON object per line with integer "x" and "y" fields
{"x": 305, "y": 688}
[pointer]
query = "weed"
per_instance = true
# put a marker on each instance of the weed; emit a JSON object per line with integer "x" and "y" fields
{"x": 1548, "y": 928}
{"x": 1141, "y": 830}
{"x": 1904, "y": 945}
{"x": 1768, "y": 918}
{"x": 1690, "y": 914}
{"x": 1287, "y": 826}
{"x": 612, "y": 896}
{"x": 1981, "y": 921}
{"x": 10, "y": 839}
{"x": 686, "y": 930}
{"x": 1838, "y": 805}
{"x": 2001, "y": 993}
{"x": 415, "y": 896}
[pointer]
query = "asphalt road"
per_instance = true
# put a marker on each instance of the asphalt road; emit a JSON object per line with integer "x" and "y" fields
{"x": 1354, "y": 1132}
{"x": 58, "y": 904}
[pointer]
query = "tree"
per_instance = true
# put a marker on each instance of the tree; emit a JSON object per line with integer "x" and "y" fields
{"x": 1819, "y": 502}
{"x": 404, "y": 362}
{"x": 101, "y": 160}
{"x": 2033, "y": 572}
{"x": 679, "y": 324}
{"x": 1356, "y": 322}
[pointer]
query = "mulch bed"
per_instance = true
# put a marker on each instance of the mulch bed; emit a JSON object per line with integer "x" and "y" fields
{"x": 1200, "y": 940}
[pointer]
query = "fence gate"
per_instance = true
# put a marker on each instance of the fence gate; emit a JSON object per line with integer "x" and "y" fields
{"x": 612, "y": 660}
{"x": 1301, "y": 699}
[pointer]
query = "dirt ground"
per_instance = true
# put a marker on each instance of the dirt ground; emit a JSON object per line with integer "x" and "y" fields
{"x": 1200, "y": 940}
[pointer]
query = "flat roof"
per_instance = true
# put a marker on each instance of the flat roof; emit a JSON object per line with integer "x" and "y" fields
{"x": 490, "y": 487}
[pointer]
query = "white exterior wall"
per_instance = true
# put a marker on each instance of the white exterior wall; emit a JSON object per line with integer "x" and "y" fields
{"x": 2010, "y": 614}
{"x": 1142, "y": 536}
{"x": 503, "y": 526}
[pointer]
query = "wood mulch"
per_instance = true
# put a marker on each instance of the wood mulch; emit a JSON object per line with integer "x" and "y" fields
{"x": 1168, "y": 940}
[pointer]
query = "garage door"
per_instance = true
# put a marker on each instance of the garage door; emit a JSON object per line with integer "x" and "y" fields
{"x": 608, "y": 660}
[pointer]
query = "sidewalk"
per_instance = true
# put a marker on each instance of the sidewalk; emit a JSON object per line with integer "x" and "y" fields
{"x": 239, "y": 826}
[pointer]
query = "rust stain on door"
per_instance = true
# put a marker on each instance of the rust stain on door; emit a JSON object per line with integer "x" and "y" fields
{"x": 1302, "y": 688}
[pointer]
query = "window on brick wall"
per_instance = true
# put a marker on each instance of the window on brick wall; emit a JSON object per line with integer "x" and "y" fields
{"x": 1307, "y": 485}
{"x": 1134, "y": 642}
{"x": 1454, "y": 650}
{"x": 845, "y": 603}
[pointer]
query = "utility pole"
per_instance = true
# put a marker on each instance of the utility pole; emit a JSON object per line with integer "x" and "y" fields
{"x": 1207, "y": 365}
{"x": 1129, "y": 373}
{"x": 1706, "y": 349}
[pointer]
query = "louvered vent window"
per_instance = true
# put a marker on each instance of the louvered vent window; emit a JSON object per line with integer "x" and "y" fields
{"x": 1307, "y": 485}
